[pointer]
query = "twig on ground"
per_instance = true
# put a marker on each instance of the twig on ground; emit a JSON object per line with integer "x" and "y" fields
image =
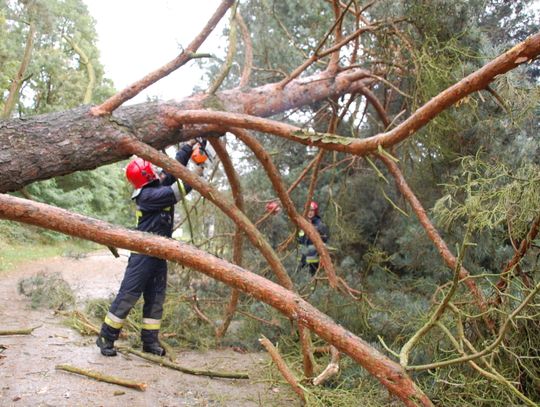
{"x": 170, "y": 353}
{"x": 174, "y": 366}
{"x": 23, "y": 331}
{"x": 103, "y": 378}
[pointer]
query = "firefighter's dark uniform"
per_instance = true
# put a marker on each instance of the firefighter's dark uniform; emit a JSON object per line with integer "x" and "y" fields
{"x": 144, "y": 274}
{"x": 308, "y": 252}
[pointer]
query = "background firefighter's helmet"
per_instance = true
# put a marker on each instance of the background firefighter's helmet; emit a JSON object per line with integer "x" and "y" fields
{"x": 272, "y": 207}
{"x": 315, "y": 206}
{"x": 139, "y": 173}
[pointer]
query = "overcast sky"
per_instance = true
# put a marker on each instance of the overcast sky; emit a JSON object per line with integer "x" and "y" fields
{"x": 139, "y": 36}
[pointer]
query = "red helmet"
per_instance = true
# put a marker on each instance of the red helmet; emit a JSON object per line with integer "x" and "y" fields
{"x": 139, "y": 172}
{"x": 272, "y": 207}
{"x": 315, "y": 206}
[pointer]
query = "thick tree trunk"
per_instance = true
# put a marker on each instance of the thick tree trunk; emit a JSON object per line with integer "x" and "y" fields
{"x": 46, "y": 146}
{"x": 42, "y": 147}
{"x": 389, "y": 373}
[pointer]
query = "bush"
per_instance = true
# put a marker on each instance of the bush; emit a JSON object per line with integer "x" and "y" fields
{"x": 47, "y": 290}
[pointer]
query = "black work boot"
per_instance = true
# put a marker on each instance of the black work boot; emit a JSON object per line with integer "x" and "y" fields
{"x": 106, "y": 346}
{"x": 153, "y": 348}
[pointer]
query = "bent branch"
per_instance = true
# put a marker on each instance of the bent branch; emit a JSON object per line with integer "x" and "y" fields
{"x": 134, "y": 89}
{"x": 435, "y": 237}
{"x": 296, "y": 218}
{"x": 230, "y": 209}
{"x": 389, "y": 373}
{"x": 236, "y": 189}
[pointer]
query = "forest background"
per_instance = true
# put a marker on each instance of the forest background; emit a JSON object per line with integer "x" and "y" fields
{"x": 474, "y": 168}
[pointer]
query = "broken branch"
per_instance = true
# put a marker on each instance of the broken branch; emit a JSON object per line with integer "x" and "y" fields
{"x": 24, "y": 331}
{"x": 174, "y": 366}
{"x": 331, "y": 370}
{"x": 102, "y": 378}
{"x": 134, "y": 89}
{"x": 282, "y": 366}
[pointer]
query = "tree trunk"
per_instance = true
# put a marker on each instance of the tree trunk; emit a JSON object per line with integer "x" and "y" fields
{"x": 45, "y": 146}
{"x": 13, "y": 95}
{"x": 388, "y": 372}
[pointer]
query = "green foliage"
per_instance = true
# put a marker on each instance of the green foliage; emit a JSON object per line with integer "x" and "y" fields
{"x": 382, "y": 251}
{"x": 102, "y": 193}
{"x": 56, "y": 78}
{"x": 516, "y": 361}
{"x": 490, "y": 194}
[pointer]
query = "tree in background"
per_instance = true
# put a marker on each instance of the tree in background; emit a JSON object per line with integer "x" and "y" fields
{"x": 463, "y": 164}
{"x": 49, "y": 62}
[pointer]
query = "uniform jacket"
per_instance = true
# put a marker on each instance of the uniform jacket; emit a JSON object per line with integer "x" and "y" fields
{"x": 155, "y": 201}
{"x": 321, "y": 228}
{"x": 307, "y": 248}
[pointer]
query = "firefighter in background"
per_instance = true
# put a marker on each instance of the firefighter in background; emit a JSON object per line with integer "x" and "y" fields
{"x": 308, "y": 253}
{"x": 146, "y": 275}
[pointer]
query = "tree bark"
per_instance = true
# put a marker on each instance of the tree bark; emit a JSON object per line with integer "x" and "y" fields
{"x": 46, "y": 146}
{"x": 388, "y": 372}
{"x": 282, "y": 366}
{"x": 102, "y": 377}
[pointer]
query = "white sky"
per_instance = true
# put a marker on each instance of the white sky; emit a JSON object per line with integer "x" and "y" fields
{"x": 136, "y": 37}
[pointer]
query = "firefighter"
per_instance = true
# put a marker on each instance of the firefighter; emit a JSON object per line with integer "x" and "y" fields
{"x": 308, "y": 252}
{"x": 155, "y": 197}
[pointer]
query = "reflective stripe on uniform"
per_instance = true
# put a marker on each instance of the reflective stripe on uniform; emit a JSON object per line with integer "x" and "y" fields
{"x": 151, "y": 324}
{"x": 312, "y": 256}
{"x": 113, "y": 321}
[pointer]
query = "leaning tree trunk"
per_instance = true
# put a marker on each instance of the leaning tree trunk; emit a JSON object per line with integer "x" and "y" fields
{"x": 388, "y": 372}
{"x": 45, "y": 146}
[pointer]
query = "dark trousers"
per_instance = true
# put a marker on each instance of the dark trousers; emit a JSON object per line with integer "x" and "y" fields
{"x": 146, "y": 276}
{"x": 313, "y": 267}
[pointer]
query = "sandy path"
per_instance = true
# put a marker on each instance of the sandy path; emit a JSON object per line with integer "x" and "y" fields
{"x": 27, "y": 365}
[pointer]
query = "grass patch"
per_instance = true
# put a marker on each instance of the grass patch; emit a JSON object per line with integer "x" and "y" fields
{"x": 12, "y": 255}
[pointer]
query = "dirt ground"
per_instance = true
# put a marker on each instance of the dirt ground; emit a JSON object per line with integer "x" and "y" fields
{"x": 27, "y": 362}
